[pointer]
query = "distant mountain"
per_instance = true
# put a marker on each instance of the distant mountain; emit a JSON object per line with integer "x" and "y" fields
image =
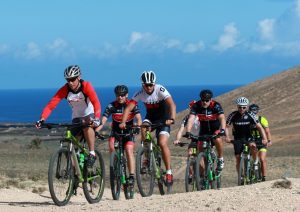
{"x": 279, "y": 99}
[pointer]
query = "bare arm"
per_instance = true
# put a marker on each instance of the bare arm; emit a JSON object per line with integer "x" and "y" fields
{"x": 172, "y": 106}
{"x": 138, "y": 118}
{"x": 179, "y": 134}
{"x": 126, "y": 112}
{"x": 190, "y": 122}
{"x": 222, "y": 120}
{"x": 104, "y": 120}
{"x": 262, "y": 132}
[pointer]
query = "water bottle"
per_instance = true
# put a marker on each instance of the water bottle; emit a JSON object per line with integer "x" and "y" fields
{"x": 123, "y": 178}
{"x": 204, "y": 145}
{"x": 116, "y": 144}
{"x": 81, "y": 160}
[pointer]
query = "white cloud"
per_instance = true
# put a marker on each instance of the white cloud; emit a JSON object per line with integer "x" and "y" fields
{"x": 32, "y": 51}
{"x": 172, "y": 43}
{"x": 266, "y": 29}
{"x": 60, "y": 48}
{"x": 228, "y": 39}
{"x": 193, "y": 47}
{"x": 297, "y": 8}
{"x": 141, "y": 39}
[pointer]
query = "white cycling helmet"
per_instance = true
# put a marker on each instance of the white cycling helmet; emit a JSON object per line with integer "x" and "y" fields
{"x": 72, "y": 71}
{"x": 148, "y": 77}
{"x": 243, "y": 101}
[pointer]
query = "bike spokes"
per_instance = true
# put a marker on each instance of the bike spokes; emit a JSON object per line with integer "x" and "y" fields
{"x": 94, "y": 180}
{"x": 61, "y": 177}
{"x": 144, "y": 173}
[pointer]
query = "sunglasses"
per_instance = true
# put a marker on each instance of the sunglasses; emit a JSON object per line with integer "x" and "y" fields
{"x": 148, "y": 85}
{"x": 123, "y": 95}
{"x": 205, "y": 100}
{"x": 242, "y": 107}
{"x": 72, "y": 79}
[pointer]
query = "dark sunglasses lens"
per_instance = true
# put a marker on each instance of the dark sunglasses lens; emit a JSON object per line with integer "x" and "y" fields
{"x": 205, "y": 100}
{"x": 148, "y": 85}
{"x": 72, "y": 79}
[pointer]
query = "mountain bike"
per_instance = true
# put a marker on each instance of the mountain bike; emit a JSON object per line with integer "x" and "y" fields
{"x": 209, "y": 177}
{"x": 249, "y": 170}
{"x": 118, "y": 173}
{"x": 148, "y": 165}
{"x": 190, "y": 171}
{"x": 68, "y": 168}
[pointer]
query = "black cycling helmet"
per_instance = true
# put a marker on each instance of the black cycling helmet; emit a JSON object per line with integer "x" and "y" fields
{"x": 72, "y": 71}
{"x": 121, "y": 90}
{"x": 254, "y": 108}
{"x": 206, "y": 94}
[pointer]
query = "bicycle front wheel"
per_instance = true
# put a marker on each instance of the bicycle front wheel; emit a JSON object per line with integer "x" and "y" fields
{"x": 201, "y": 179}
{"x": 94, "y": 180}
{"x": 190, "y": 175}
{"x": 242, "y": 174}
{"x": 144, "y": 172}
{"x": 61, "y": 177}
{"x": 115, "y": 178}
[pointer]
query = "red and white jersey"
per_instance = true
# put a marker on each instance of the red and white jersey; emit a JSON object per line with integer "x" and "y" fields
{"x": 83, "y": 102}
{"x": 154, "y": 102}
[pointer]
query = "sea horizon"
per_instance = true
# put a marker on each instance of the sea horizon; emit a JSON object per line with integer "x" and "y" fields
{"x": 26, "y": 105}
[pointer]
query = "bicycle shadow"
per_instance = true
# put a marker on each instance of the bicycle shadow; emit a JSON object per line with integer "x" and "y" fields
{"x": 29, "y": 203}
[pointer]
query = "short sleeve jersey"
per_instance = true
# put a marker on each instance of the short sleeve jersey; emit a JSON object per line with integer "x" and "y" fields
{"x": 242, "y": 124}
{"x": 115, "y": 110}
{"x": 208, "y": 117}
{"x": 155, "y": 104}
{"x": 264, "y": 123}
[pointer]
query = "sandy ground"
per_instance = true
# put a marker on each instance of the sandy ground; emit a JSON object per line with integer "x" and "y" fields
{"x": 258, "y": 197}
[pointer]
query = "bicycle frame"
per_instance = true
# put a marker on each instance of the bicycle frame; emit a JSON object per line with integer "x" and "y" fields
{"x": 155, "y": 149}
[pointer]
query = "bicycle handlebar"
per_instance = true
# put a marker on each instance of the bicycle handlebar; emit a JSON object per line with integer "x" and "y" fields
{"x": 202, "y": 137}
{"x": 61, "y": 125}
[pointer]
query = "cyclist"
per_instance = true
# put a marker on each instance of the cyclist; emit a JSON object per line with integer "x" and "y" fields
{"x": 242, "y": 122}
{"x": 195, "y": 130}
{"x": 116, "y": 109}
{"x": 85, "y": 105}
{"x": 160, "y": 107}
{"x": 195, "y": 126}
{"x": 262, "y": 149}
{"x": 212, "y": 121}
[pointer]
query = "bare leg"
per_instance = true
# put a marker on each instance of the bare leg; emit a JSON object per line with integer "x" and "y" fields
{"x": 130, "y": 157}
{"x": 166, "y": 155}
{"x": 89, "y": 135}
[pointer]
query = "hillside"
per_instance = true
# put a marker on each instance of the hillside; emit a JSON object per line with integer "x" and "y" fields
{"x": 279, "y": 99}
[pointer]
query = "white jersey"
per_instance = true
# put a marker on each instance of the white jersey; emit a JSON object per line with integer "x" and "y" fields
{"x": 154, "y": 102}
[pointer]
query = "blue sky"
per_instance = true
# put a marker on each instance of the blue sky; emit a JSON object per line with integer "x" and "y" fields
{"x": 193, "y": 42}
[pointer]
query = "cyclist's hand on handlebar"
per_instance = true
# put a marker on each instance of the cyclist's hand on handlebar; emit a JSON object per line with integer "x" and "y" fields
{"x": 176, "y": 142}
{"x": 170, "y": 121}
{"x": 265, "y": 142}
{"x": 39, "y": 123}
{"x": 96, "y": 122}
{"x": 188, "y": 135}
{"x": 222, "y": 132}
{"x": 122, "y": 125}
{"x": 269, "y": 143}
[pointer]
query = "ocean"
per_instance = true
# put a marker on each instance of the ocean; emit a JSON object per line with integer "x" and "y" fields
{"x": 26, "y": 105}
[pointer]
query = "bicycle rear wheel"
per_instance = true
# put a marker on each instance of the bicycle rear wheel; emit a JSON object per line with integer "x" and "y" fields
{"x": 144, "y": 173}
{"x": 61, "y": 177}
{"x": 190, "y": 177}
{"x": 94, "y": 180}
{"x": 201, "y": 180}
{"x": 115, "y": 178}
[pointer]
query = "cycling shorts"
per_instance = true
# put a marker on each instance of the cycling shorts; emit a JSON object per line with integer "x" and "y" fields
{"x": 238, "y": 146}
{"x": 260, "y": 146}
{"x": 77, "y": 130}
{"x": 161, "y": 130}
{"x": 128, "y": 140}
